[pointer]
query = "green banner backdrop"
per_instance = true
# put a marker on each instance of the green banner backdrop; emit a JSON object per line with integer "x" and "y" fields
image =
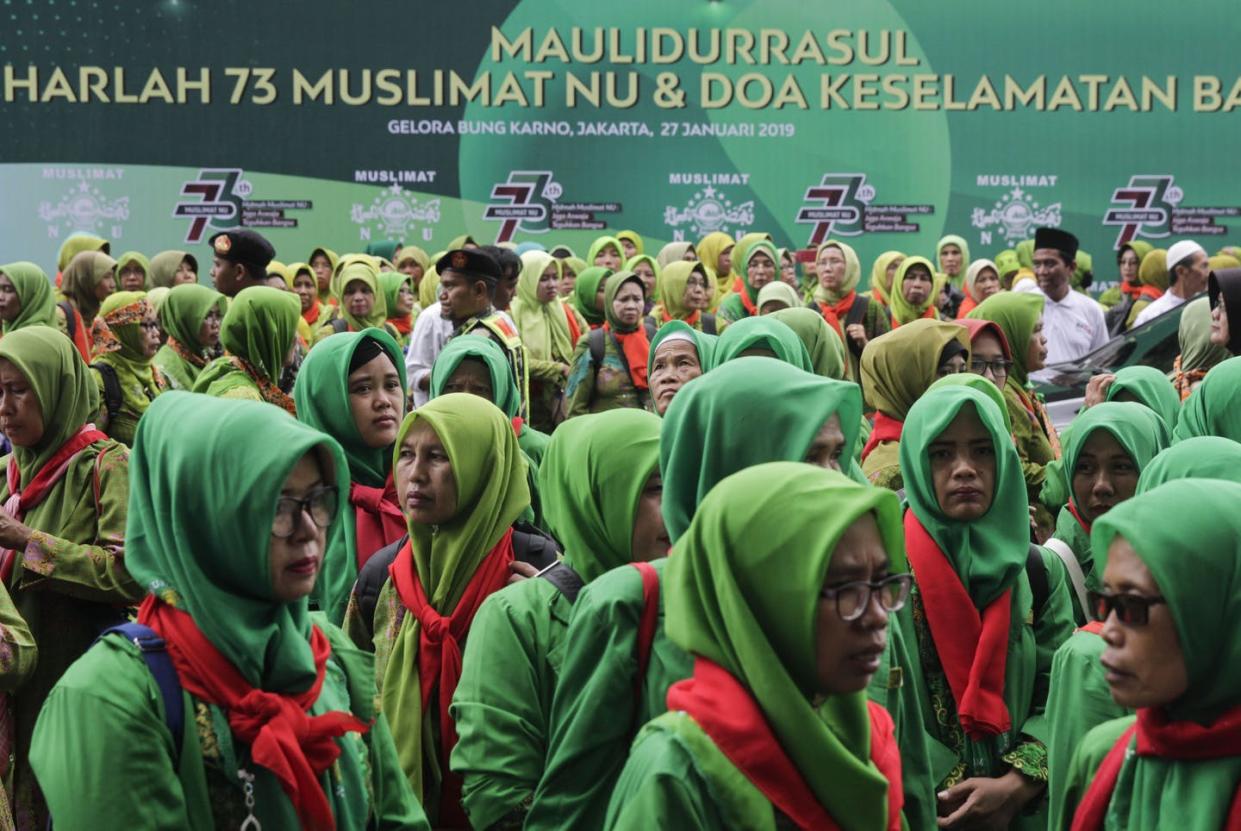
{"x": 324, "y": 122}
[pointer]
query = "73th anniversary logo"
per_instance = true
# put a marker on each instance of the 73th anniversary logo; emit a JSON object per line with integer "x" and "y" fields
{"x": 841, "y": 204}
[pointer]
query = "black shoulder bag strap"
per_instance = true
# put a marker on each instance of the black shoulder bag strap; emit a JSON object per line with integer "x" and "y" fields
{"x": 112, "y": 397}
{"x": 567, "y": 581}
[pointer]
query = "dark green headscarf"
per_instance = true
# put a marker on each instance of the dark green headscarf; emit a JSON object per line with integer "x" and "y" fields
{"x": 899, "y": 366}
{"x": 218, "y": 571}
{"x": 183, "y": 311}
{"x": 1194, "y": 335}
{"x": 34, "y": 292}
{"x": 584, "y": 290}
{"x": 1203, "y": 457}
{"x": 385, "y": 248}
{"x": 1214, "y": 409}
{"x": 742, "y": 591}
{"x": 590, "y": 481}
{"x": 704, "y": 345}
{"x": 990, "y": 553}
{"x": 613, "y": 287}
{"x": 1017, "y": 313}
{"x": 61, "y": 382}
{"x": 1150, "y": 387}
{"x": 260, "y": 326}
{"x": 761, "y": 332}
{"x": 138, "y": 259}
{"x": 490, "y": 353}
{"x": 823, "y": 345}
{"x": 733, "y": 418}
{"x": 1136, "y": 427}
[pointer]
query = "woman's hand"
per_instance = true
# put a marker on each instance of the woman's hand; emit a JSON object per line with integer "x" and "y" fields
{"x": 857, "y": 333}
{"x": 1096, "y": 390}
{"x": 519, "y": 571}
{"x": 986, "y": 803}
{"x": 13, "y": 534}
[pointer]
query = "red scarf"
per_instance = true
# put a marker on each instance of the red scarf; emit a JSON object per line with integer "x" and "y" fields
{"x": 377, "y": 518}
{"x": 740, "y": 290}
{"x": 518, "y": 423}
{"x": 832, "y": 314}
{"x": 1077, "y": 516}
{"x": 575, "y": 331}
{"x": 972, "y": 648}
{"x": 1158, "y": 737}
{"x": 403, "y": 325}
{"x": 967, "y": 305}
{"x": 1137, "y": 291}
{"x": 22, "y": 499}
{"x": 726, "y": 712}
{"x": 439, "y": 648}
{"x": 297, "y": 748}
{"x": 637, "y": 349}
{"x": 692, "y": 320}
{"x": 312, "y": 316}
{"x": 81, "y": 337}
{"x": 886, "y": 428}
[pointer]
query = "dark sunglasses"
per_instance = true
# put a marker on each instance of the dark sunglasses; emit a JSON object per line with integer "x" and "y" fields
{"x": 1131, "y": 609}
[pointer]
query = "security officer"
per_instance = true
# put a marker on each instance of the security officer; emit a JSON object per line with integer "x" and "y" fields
{"x": 240, "y": 260}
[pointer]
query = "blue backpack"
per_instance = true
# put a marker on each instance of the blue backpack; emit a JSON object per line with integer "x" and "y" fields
{"x": 158, "y": 661}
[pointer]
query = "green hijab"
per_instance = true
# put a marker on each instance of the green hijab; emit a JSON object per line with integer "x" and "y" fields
{"x": 1196, "y": 561}
{"x": 178, "y": 548}
{"x": 599, "y": 244}
{"x": 140, "y": 260}
{"x": 1202, "y": 457}
{"x": 123, "y": 312}
{"x": 61, "y": 382}
{"x": 591, "y": 478}
{"x": 959, "y": 242}
{"x": 385, "y": 248}
{"x": 704, "y": 345}
{"x": 710, "y": 248}
{"x": 614, "y": 284}
{"x": 1017, "y": 313}
{"x": 390, "y": 283}
{"x": 321, "y": 394}
{"x": 1150, "y": 387}
{"x": 673, "y": 252}
{"x": 670, "y": 284}
{"x": 1197, "y": 351}
{"x": 824, "y": 346}
{"x": 899, "y": 366}
{"x": 489, "y": 352}
{"x": 853, "y": 272}
{"x": 1153, "y": 270}
{"x": 1025, "y": 253}
{"x": 989, "y": 553}
{"x": 34, "y": 292}
{"x": 743, "y": 592}
{"x": 634, "y": 238}
{"x": 1137, "y": 428}
{"x": 82, "y": 277}
{"x": 183, "y": 311}
{"x": 576, "y": 264}
{"x": 355, "y": 269}
{"x": 779, "y": 291}
{"x": 460, "y": 242}
{"x": 259, "y": 327}
{"x": 1006, "y": 264}
{"x": 741, "y": 253}
{"x": 880, "y": 285}
{"x": 164, "y": 267}
{"x": 492, "y": 493}
{"x": 157, "y": 296}
{"x": 761, "y": 245}
{"x": 1214, "y": 409}
{"x": 978, "y": 382}
{"x": 544, "y": 327}
{"x": 762, "y": 332}
{"x": 75, "y": 245}
{"x": 413, "y": 252}
{"x": 584, "y": 290}
{"x": 729, "y": 419}
{"x": 902, "y": 311}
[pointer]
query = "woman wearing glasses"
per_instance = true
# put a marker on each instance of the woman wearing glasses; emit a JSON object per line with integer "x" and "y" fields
{"x": 266, "y": 716}
{"x": 1169, "y": 607}
{"x": 126, "y": 379}
{"x": 190, "y": 315}
{"x": 987, "y": 612}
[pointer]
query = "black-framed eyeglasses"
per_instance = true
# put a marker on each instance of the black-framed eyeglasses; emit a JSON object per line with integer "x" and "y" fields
{"x": 1000, "y": 366}
{"x": 320, "y": 503}
{"x": 853, "y": 599}
{"x": 1131, "y": 609}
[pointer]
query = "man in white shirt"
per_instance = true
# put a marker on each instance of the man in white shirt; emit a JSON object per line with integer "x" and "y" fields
{"x": 1188, "y": 271}
{"x": 431, "y": 331}
{"x": 1072, "y": 322}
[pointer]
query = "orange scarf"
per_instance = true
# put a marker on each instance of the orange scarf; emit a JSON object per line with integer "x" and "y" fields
{"x": 637, "y": 349}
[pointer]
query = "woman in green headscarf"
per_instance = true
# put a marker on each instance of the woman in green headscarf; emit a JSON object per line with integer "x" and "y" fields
{"x": 609, "y": 365}
{"x": 413, "y": 262}
{"x": 353, "y": 389}
{"x": 765, "y": 336}
{"x": 774, "y": 726}
{"x": 570, "y": 268}
{"x": 1198, "y": 353}
{"x": 398, "y": 292}
{"x": 632, "y": 243}
{"x": 1007, "y": 265}
{"x": 645, "y": 267}
{"x": 715, "y": 251}
{"x": 1153, "y": 278}
{"x": 63, "y": 541}
{"x": 1146, "y": 385}
{"x": 133, "y": 272}
{"x": 462, "y": 482}
{"x": 550, "y": 330}
{"x": 384, "y": 248}
{"x": 76, "y": 244}
{"x": 915, "y": 291}
{"x": 258, "y": 333}
{"x": 87, "y": 281}
{"x": 252, "y": 664}
{"x": 897, "y": 368}
{"x": 759, "y": 265}
{"x": 587, "y": 296}
{"x": 952, "y": 255}
{"x": 125, "y": 377}
{"x": 1170, "y": 607}
{"x": 675, "y": 252}
{"x": 1128, "y": 288}
{"x": 679, "y": 354}
{"x": 191, "y": 317}
{"x": 172, "y": 268}
{"x": 362, "y": 302}
{"x": 826, "y": 351}
{"x": 985, "y": 636}
{"x": 600, "y": 483}
{"x": 882, "y": 273}
{"x": 25, "y": 297}
{"x": 1214, "y": 409}
{"x": 324, "y": 262}
{"x": 777, "y": 295}
{"x": 683, "y": 291}
{"x": 429, "y": 288}
{"x": 857, "y": 320}
{"x": 607, "y": 252}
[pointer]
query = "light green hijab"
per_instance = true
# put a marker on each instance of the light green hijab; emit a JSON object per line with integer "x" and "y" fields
{"x": 673, "y": 252}
{"x": 633, "y": 237}
{"x": 762, "y": 333}
{"x": 259, "y": 327}
{"x": 355, "y": 268}
{"x": 989, "y": 553}
{"x": 824, "y": 346}
{"x": 599, "y": 244}
{"x": 164, "y": 267}
{"x": 779, "y": 291}
{"x": 899, "y": 366}
{"x": 544, "y": 327}
{"x": 959, "y": 242}
{"x": 743, "y": 592}
{"x": 1150, "y": 387}
{"x": 902, "y": 311}
{"x": 1016, "y": 313}
{"x": 61, "y": 382}
{"x": 1202, "y": 457}
{"x": 390, "y": 283}
{"x": 489, "y": 352}
{"x": 748, "y": 249}
{"x": 76, "y": 244}
{"x": 80, "y": 279}
{"x": 1194, "y": 334}
{"x": 218, "y": 572}
{"x": 1214, "y": 409}
{"x": 729, "y": 419}
{"x": 880, "y": 285}
{"x": 853, "y": 273}
{"x": 123, "y": 312}
{"x": 584, "y": 290}
{"x": 183, "y": 311}
{"x": 138, "y": 259}
{"x": 34, "y": 292}
{"x": 670, "y": 284}
{"x": 591, "y": 479}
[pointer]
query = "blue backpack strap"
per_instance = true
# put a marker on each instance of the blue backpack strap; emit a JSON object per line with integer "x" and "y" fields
{"x": 155, "y": 653}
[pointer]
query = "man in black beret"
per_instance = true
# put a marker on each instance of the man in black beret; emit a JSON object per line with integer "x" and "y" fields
{"x": 1073, "y": 322}
{"x": 240, "y": 260}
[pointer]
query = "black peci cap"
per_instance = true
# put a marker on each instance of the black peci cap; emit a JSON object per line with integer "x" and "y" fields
{"x": 471, "y": 262}
{"x": 1057, "y": 239}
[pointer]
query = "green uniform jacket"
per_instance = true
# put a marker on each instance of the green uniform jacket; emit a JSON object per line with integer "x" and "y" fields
{"x": 107, "y": 715}
{"x": 178, "y": 371}
{"x": 502, "y": 706}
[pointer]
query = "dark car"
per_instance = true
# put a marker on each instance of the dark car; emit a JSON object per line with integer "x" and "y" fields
{"x": 1154, "y": 343}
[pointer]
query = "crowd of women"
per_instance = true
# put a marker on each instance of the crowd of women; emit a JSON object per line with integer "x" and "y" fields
{"x": 709, "y": 538}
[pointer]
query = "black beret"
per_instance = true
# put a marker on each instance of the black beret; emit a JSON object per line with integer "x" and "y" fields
{"x": 471, "y": 262}
{"x": 1057, "y": 239}
{"x": 243, "y": 246}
